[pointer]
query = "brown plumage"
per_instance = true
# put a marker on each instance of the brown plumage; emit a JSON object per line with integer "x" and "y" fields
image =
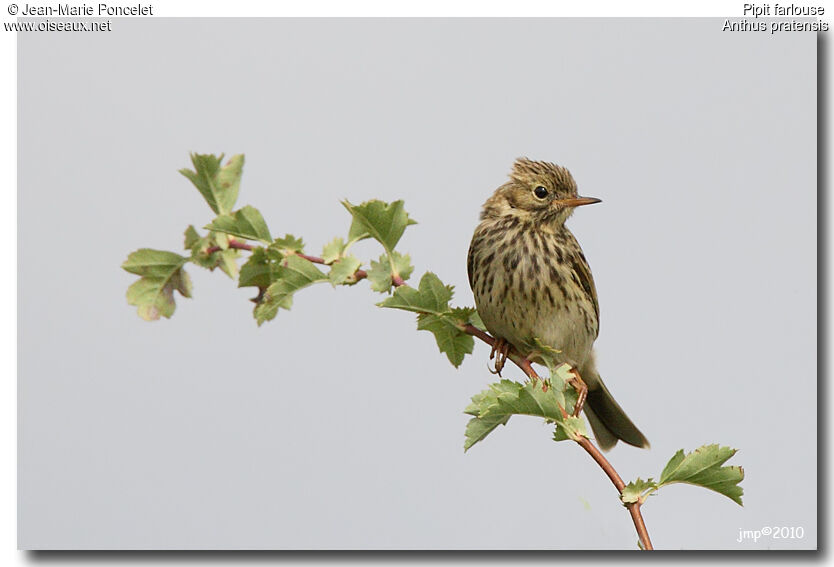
{"x": 531, "y": 281}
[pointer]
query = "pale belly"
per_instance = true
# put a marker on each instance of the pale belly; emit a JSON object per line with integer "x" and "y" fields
{"x": 521, "y": 299}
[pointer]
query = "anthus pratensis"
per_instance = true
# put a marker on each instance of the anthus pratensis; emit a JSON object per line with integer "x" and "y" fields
{"x": 531, "y": 280}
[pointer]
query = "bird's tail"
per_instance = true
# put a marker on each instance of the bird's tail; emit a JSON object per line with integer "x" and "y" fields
{"x": 608, "y": 420}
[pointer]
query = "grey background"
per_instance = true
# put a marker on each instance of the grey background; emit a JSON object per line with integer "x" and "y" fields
{"x": 337, "y": 425}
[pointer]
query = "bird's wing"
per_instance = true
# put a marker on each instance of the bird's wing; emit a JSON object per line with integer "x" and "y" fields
{"x": 586, "y": 280}
{"x": 470, "y": 260}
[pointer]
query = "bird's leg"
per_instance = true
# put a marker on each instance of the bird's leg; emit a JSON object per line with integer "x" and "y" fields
{"x": 500, "y": 351}
{"x": 581, "y": 391}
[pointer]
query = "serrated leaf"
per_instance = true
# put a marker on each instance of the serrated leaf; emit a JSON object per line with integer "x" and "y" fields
{"x": 287, "y": 245}
{"x": 342, "y": 270}
{"x": 379, "y": 275}
{"x": 192, "y": 237}
{"x": 258, "y": 271}
{"x": 246, "y": 222}
{"x": 476, "y": 321}
{"x": 450, "y": 339}
{"x": 161, "y": 273}
{"x": 431, "y": 296}
{"x": 478, "y": 428}
{"x": 200, "y": 254}
{"x": 218, "y": 185}
{"x": 228, "y": 262}
{"x": 221, "y": 256}
{"x": 637, "y": 491}
{"x": 570, "y": 429}
{"x": 506, "y": 398}
{"x": 401, "y": 265}
{"x": 221, "y": 239}
{"x": 463, "y": 315}
{"x": 333, "y": 250}
{"x": 357, "y": 230}
{"x": 298, "y": 273}
{"x": 153, "y": 263}
{"x": 547, "y": 353}
{"x": 383, "y": 221}
{"x": 560, "y": 375}
{"x": 264, "y": 312}
{"x": 382, "y": 272}
{"x": 702, "y": 467}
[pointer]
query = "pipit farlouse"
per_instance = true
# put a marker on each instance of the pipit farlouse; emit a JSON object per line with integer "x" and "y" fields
{"x": 532, "y": 281}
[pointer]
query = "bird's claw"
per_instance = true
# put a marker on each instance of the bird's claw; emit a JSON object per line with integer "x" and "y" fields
{"x": 581, "y": 391}
{"x": 500, "y": 351}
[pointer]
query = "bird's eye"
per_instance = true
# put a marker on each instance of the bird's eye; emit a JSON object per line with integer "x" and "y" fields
{"x": 540, "y": 192}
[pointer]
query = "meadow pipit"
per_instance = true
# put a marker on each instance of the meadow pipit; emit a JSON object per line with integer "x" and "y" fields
{"x": 532, "y": 281}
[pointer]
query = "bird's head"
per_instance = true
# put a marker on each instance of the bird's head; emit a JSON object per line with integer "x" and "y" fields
{"x": 538, "y": 192}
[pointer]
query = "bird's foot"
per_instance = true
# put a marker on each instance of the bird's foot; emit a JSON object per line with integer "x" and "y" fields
{"x": 581, "y": 391}
{"x": 500, "y": 351}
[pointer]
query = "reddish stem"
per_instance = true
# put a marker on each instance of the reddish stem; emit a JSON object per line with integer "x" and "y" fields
{"x": 358, "y": 274}
{"x": 236, "y": 244}
{"x": 524, "y": 364}
{"x": 584, "y": 442}
{"x": 239, "y": 245}
{"x": 633, "y": 507}
{"x": 313, "y": 259}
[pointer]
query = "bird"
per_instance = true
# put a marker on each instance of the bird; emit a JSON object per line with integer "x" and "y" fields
{"x": 531, "y": 281}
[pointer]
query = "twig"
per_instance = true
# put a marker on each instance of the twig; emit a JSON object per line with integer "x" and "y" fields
{"x": 236, "y": 244}
{"x": 239, "y": 245}
{"x": 633, "y": 507}
{"x": 524, "y": 364}
{"x": 358, "y": 274}
{"x": 584, "y": 442}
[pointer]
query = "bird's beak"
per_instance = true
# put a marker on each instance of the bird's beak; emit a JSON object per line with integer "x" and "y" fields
{"x": 578, "y": 201}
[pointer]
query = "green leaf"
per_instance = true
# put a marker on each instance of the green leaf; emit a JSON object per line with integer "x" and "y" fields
{"x": 560, "y": 375}
{"x": 287, "y": 245}
{"x": 244, "y": 223}
{"x": 463, "y": 314}
{"x": 379, "y": 275}
{"x": 258, "y": 271}
{"x": 383, "y": 221}
{"x": 476, "y": 320}
{"x": 298, "y": 273}
{"x": 382, "y": 272}
{"x": 221, "y": 239}
{"x": 637, "y": 491}
{"x": 469, "y": 316}
{"x": 192, "y": 237}
{"x": 450, "y": 339}
{"x": 201, "y": 256}
{"x": 224, "y": 258}
{"x": 228, "y": 262}
{"x": 357, "y": 231}
{"x": 218, "y": 185}
{"x": 702, "y": 467}
{"x": 333, "y": 250}
{"x": 431, "y": 296}
{"x": 153, "y": 263}
{"x": 506, "y": 398}
{"x": 431, "y": 301}
{"x": 569, "y": 428}
{"x": 478, "y": 428}
{"x": 548, "y": 354}
{"x": 343, "y": 270}
{"x": 161, "y": 273}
